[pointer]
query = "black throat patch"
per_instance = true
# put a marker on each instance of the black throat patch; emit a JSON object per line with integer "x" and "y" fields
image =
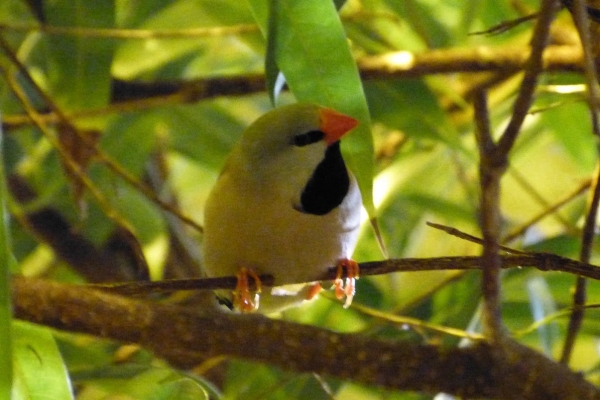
{"x": 328, "y": 185}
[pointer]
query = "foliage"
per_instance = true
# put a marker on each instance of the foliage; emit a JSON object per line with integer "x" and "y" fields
{"x": 162, "y": 90}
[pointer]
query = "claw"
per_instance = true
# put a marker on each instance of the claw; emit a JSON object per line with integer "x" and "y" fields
{"x": 242, "y": 296}
{"x": 352, "y": 274}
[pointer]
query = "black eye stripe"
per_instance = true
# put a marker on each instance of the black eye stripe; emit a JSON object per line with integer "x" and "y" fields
{"x": 308, "y": 138}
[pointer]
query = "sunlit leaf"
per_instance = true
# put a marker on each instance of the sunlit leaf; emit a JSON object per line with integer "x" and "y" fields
{"x": 39, "y": 368}
{"x": 135, "y": 59}
{"x": 409, "y": 105}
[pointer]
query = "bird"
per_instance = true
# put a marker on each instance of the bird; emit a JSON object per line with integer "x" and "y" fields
{"x": 284, "y": 204}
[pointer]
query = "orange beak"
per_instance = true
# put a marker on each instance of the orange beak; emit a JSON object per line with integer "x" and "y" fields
{"x": 335, "y": 125}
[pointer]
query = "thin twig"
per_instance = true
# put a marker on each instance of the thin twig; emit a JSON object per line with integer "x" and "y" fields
{"x": 541, "y": 261}
{"x": 579, "y": 296}
{"x": 157, "y": 96}
{"x": 550, "y": 210}
{"x": 505, "y": 26}
{"x": 387, "y": 66}
{"x": 492, "y": 164}
{"x": 140, "y": 34}
{"x": 73, "y": 166}
{"x": 534, "y": 193}
{"x": 535, "y": 65}
{"x": 462, "y": 235}
{"x": 580, "y": 16}
{"x": 413, "y": 322}
{"x": 100, "y": 155}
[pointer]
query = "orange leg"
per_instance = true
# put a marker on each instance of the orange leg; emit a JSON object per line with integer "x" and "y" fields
{"x": 347, "y": 290}
{"x": 313, "y": 291}
{"x": 242, "y": 295}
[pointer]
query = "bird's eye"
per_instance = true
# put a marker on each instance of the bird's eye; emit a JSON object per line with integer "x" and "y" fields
{"x": 308, "y": 138}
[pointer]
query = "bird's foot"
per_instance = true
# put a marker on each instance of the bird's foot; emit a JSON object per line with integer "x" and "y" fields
{"x": 244, "y": 299}
{"x": 347, "y": 290}
{"x": 313, "y": 291}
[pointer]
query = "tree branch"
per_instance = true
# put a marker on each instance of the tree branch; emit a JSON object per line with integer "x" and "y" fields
{"x": 493, "y": 161}
{"x": 185, "y": 337}
{"x": 135, "y": 96}
{"x": 492, "y": 165}
{"x": 405, "y": 64}
{"x": 541, "y": 261}
{"x": 534, "y": 67}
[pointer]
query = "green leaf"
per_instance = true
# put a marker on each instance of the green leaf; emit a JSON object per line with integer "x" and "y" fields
{"x": 313, "y": 54}
{"x": 130, "y": 140}
{"x": 6, "y": 371}
{"x": 565, "y": 245}
{"x": 271, "y": 69}
{"x": 456, "y": 303}
{"x": 135, "y": 58}
{"x": 427, "y": 20}
{"x": 162, "y": 384}
{"x": 220, "y": 131}
{"x": 248, "y": 381}
{"x": 542, "y": 304}
{"x": 576, "y": 136}
{"x": 80, "y": 67}
{"x": 40, "y": 372}
{"x": 409, "y": 105}
{"x": 182, "y": 389}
